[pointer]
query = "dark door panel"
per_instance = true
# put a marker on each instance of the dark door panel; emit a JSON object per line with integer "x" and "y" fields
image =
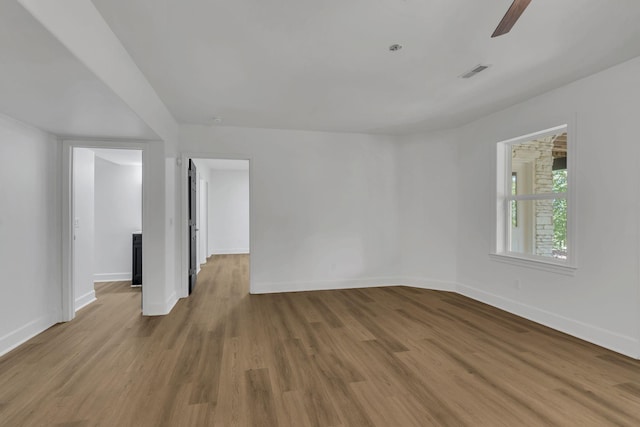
{"x": 193, "y": 227}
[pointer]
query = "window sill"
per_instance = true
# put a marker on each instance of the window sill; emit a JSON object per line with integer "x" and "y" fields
{"x": 537, "y": 264}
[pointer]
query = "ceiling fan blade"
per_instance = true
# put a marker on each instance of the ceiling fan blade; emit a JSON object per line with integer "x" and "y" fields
{"x": 510, "y": 18}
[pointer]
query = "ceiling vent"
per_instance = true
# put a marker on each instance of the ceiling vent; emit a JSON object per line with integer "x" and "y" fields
{"x": 476, "y": 70}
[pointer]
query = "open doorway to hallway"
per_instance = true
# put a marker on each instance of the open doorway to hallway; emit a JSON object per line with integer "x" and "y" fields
{"x": 106, "y": 213}
{"x": 218, "y": 211}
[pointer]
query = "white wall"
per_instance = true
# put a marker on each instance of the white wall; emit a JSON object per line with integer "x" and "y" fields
{"x": 118, "y": 214}
{"x": 428, "y": 184}
{"x": 228, "y": 212}
{"x": 83, "y": 214}
{"x": 30, "y": 261}
{"x": 324, "y": 206}
{"x": 601, "y": 303}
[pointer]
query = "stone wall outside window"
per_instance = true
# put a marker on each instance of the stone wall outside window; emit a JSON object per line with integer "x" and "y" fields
{"x": 540, "y": 153}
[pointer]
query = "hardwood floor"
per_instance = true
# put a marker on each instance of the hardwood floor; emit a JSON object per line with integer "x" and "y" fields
{"x": 368, "y": 357}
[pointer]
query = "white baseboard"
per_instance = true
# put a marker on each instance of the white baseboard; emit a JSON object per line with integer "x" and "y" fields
{"x": 112, "y": 277}
{"x": 322, "y": 285}
{"x": 619, "y": 343}
{"x": 233, "y": 251}
{"x": 155, "y": 309}
{"x": 427, "y": 283}
{"x": 24, "y": 333}
{"x": 371, "y": 282}
{"x": 171, "y": 301}
{"x": 85, "y": 300}
{"x": 161, "y": 309}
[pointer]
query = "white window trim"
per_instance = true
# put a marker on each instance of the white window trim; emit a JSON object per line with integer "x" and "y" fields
{"x": 499, "y": 251}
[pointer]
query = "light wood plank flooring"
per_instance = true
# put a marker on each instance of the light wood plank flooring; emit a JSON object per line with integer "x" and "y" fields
{"x": 369, "y": 357}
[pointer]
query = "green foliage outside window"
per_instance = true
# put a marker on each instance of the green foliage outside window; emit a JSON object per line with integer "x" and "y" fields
{"x": 560, "y": 211}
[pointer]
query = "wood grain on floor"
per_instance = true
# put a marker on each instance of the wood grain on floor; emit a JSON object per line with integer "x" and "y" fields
{"x": 365, "y": 357}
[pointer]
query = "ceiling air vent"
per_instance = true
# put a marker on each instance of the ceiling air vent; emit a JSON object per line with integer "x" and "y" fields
{"x": 476, "y": 70}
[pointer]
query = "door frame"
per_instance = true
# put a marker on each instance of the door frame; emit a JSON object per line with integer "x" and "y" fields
{"x": 68, "y": 144}
{"x": 184, "y": 213}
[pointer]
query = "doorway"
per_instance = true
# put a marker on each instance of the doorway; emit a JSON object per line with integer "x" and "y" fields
{"x": 217, "y": 212}
{"x": 103, "y": 209}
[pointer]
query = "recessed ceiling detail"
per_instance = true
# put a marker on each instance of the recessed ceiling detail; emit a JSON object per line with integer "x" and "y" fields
{"x": 474, "y": 72}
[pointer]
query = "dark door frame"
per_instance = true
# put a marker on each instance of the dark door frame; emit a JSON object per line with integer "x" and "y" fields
{"x": 183, "y": 163}
{"x": 193, "y": 225}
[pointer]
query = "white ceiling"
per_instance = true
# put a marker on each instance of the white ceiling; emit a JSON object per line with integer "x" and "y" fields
{"x": 325, "y": 65}
{"x": 119, "y": 157}
{"x": 222, "y": 164}
{"x": 43, "y": 84}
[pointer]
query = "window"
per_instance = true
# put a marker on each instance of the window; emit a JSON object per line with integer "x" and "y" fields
{"x": 534, "y": 198}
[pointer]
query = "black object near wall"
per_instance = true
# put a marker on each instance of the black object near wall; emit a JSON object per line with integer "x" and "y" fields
{"x": 136, "y": 269}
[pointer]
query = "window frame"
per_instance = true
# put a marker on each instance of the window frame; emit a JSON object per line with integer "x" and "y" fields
{"x": 504, "y": 196}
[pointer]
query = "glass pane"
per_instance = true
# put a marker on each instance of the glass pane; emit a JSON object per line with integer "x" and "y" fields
{"x": 535, "y": 164}
{"x": 539, "y": 227}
